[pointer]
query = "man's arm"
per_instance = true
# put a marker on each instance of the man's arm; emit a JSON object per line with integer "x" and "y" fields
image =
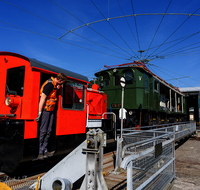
{"x": 41, "y": 104}
{"x": 42, "y": 101}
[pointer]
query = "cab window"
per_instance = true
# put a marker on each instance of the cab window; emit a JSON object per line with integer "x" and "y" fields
{"x": 117, "y": 79}
{"x": 73, "y": 96}
{"x": 15, "y": 81}
{"x": 105, "y": 80}
{"x": 129, "y": 76}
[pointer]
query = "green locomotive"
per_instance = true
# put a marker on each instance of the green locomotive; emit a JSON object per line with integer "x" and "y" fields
{"x": 148, "y": 100}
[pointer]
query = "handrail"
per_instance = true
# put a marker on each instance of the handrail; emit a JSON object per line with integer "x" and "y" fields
{"x": 153, "y": 126}
{"x": 147, "y": 140}
{"x": 114, "y": 120}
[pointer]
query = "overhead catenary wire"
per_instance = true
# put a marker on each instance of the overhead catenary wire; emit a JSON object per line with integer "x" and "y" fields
{"x": 153, "y": 71}
{"x": 181, "y": 50}
{"x": 157, "y": 28}
{"x": 184, "y": 37}
{"x": 173, "y": 32}
{"x": 60, "y": 40}
{"x": 88, "y": 27}
{"x": 175, "y": 53}
{"x": 91, "y": 71}
{"x": 177, "y": 78}
{"x": 165, "y": 69}
{"x": 128, "y": 24}
{"x": 114, "y": 29}
{"x": 108, "y": 7}
{"x": 135, "y": 24}
{"x": 175, "y": 44}
{"x": 173, "y": 77}
{"x": 185, "y": 54}
{"x": 62, "y": 27}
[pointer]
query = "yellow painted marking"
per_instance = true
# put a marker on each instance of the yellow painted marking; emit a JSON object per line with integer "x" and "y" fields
{"x": 3, "y": 186}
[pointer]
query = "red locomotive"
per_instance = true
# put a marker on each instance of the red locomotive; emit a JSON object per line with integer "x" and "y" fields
{"x": 78, "y": 108}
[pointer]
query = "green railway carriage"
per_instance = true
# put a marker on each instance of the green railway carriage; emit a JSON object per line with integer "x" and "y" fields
{"x": 148, "y": 99}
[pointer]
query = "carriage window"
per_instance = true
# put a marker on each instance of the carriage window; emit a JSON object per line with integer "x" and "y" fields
{"x": 129, "y": 76}
{"x": 15, "y": 81}
{"x": 73, "y": 96}
{"x": 106, "y": 79}
{"x": 156, "y": 85}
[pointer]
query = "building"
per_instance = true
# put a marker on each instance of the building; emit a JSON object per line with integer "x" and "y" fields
{"x": 192, "y": 95}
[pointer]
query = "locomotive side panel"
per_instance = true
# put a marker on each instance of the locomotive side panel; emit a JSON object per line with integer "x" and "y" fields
{"x": 2, "y": 84}
{"x": 140, "y": 99}
{"x": 31, "y": 94}
{"x": 33, "y": 85}
{"x": 71, "y": 114}
{"x": 97, "y": 102}
{"x": 13, "y": 77}
{"x": 156, "y": 94}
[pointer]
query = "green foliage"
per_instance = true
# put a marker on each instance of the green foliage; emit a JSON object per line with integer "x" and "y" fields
{"x": 94, "y": 81}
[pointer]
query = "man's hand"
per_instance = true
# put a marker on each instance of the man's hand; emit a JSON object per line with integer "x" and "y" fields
{"x": 39, "y": 115}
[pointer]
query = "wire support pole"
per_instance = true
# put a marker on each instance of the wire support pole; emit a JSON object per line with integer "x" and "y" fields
{"x": 122, "y": 111}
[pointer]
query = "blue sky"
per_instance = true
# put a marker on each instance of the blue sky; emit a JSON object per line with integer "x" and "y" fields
{"x": 171, "y": 42}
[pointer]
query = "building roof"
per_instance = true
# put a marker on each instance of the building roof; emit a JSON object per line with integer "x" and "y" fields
{"x": 190, "y": 89}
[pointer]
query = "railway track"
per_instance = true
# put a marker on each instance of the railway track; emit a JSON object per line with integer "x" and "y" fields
{"x": 17, "y": 184}
{"x": 24, "y": 182}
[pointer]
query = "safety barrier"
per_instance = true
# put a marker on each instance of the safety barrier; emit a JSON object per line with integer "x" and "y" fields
{"x": 148, "y": 155}
{"x": 181, "y": 129}
{"x": 149, "y": 159}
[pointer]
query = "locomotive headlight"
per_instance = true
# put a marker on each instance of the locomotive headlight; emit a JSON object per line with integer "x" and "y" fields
{"x": 12, "y": 101}
{"x": 130, "y": 113}
{"x": 7, "y": 101}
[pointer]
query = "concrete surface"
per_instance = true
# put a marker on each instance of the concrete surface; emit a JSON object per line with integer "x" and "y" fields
{"x": 187, "y": 165}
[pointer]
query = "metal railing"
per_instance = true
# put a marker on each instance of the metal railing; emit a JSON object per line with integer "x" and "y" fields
{"x": 148, "y": 154}
{"x": 181, "y": 129}
{"x": 114, "y": 120}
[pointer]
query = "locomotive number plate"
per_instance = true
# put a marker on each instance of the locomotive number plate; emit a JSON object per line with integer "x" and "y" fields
{"x": 116, "y": 105}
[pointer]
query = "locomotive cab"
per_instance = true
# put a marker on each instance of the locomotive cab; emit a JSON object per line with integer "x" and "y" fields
{"x": 21, "y": 80}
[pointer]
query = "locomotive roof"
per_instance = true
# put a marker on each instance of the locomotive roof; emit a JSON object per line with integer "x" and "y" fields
{"x": 139, "y": 65}
{"x": 46, "y": 66}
